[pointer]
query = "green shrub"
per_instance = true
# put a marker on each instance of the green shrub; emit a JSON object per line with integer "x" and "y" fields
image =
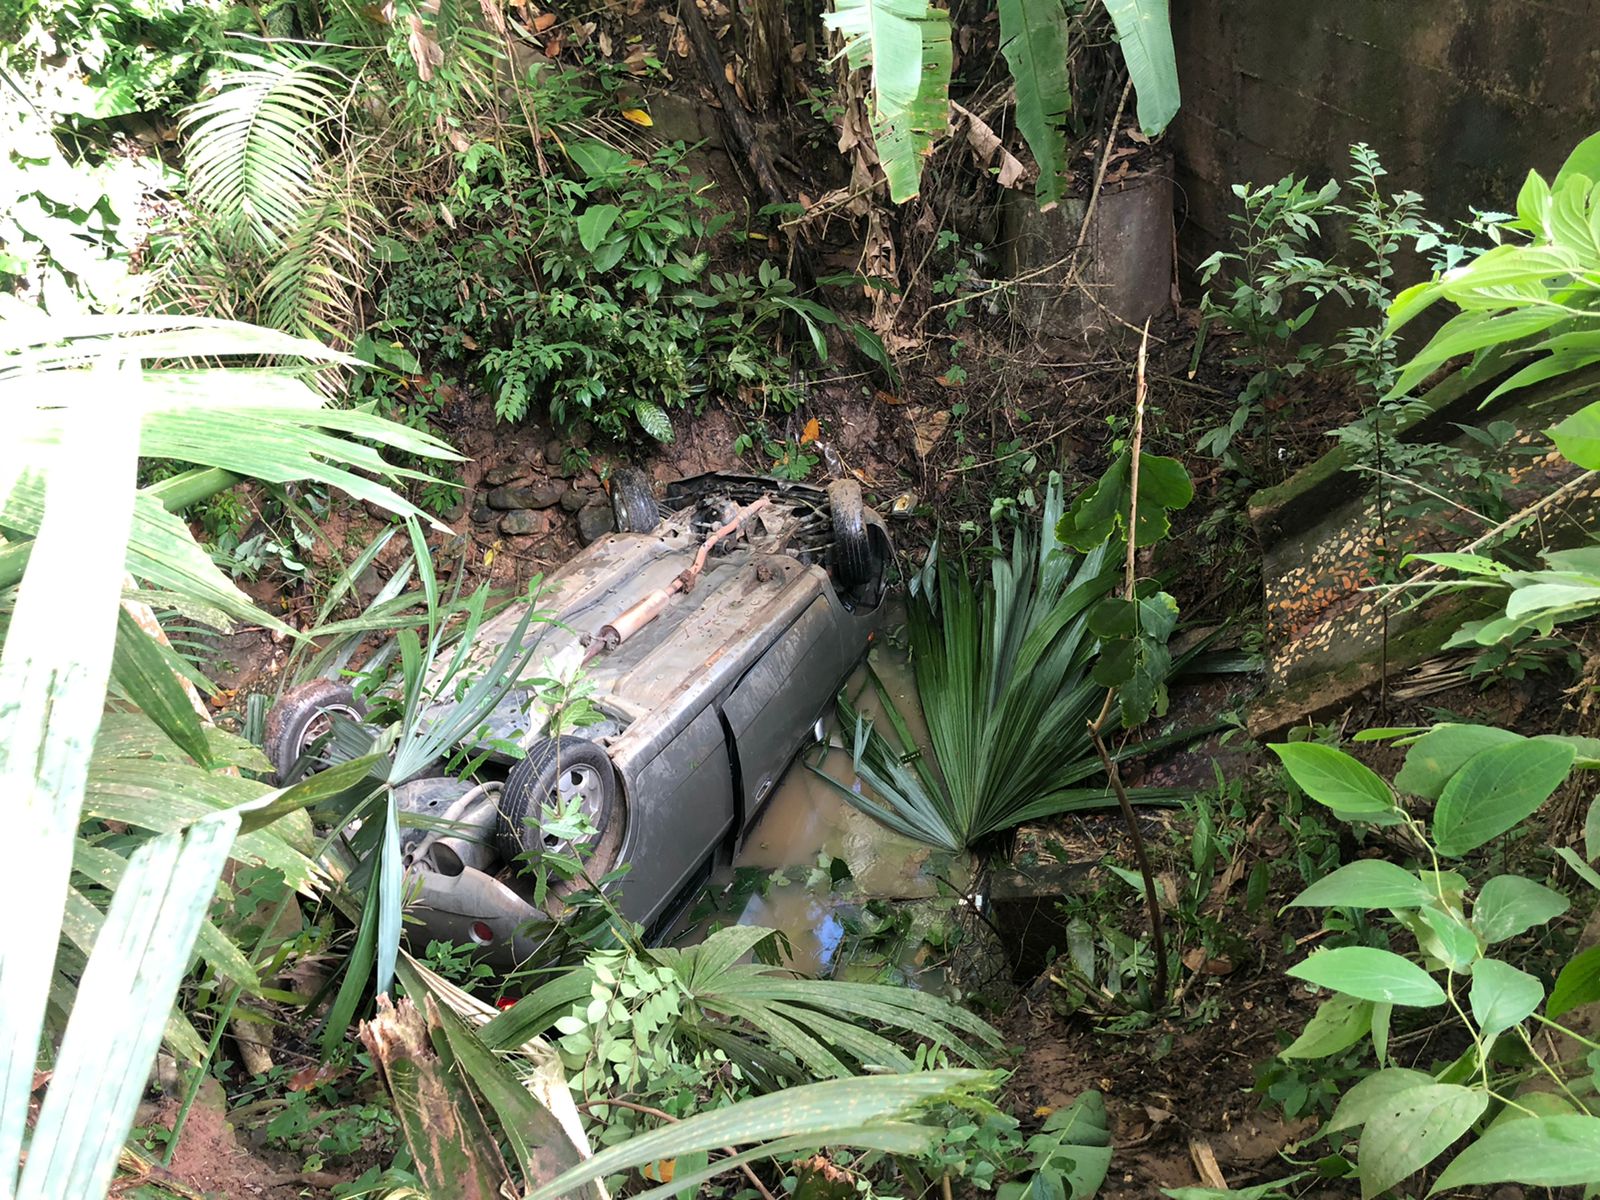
{"x": 589, "y": 290}
{"x": 1461, "y": 958}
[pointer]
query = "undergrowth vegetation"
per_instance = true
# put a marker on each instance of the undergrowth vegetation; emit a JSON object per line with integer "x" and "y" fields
{"x": 251, "y": 258}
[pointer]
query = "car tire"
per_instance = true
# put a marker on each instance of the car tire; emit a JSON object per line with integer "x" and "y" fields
{"x": 633, "y": 503}
{"x": 853, "y": 560}
{"x": 552, "y": 770}
{"x": 297, "y": 720}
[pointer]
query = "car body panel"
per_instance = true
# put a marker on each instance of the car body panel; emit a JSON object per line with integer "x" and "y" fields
{"x": 705, "y": 705}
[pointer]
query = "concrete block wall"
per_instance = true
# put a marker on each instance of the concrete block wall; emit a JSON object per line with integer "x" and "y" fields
{"x": 1459, "y": 97}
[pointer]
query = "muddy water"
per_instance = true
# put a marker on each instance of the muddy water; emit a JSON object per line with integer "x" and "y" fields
{"x": 807, "y": 823}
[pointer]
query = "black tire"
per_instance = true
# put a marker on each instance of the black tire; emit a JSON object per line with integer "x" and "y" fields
{"x": 552, "y": 767}
{"x": 633, "y": 503}
{"x": 854, "y": 563}
{"x": 299, "y": 718}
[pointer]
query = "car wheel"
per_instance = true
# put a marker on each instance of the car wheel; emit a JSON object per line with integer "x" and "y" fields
{"x": 554, "y": 773}
{"x": 853, "y": 559}
{"x": 633, "y": 503}
{"x": 302, "y": 716}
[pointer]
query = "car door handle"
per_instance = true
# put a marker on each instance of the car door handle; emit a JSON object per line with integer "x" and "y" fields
{"x": 764, "y": 788}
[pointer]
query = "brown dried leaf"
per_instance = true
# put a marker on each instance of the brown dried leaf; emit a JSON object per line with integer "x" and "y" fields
{"x": 492, "y": 14}
{"x": 987, "y": 147}
{"x": 543, "y": 21}
{"x": 928, "y": 429}
{"x": 425, "y": 52}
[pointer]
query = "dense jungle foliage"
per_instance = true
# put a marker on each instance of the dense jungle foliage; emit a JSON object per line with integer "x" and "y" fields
{"x": 327, "y": 330}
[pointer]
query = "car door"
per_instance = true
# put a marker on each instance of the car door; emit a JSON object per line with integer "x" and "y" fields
{"x": 771, "y": 710}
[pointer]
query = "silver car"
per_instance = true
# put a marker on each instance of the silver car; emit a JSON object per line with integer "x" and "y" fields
{"x": 715, "y": 629}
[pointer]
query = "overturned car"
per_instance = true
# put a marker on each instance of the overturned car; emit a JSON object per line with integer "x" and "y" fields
{"x": 714, "y": 630}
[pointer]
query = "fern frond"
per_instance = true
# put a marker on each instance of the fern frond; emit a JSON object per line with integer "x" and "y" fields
{"x": 255, "y": 145}
{"x": 907, "y": 45}
{"x": 1033, "y": 38}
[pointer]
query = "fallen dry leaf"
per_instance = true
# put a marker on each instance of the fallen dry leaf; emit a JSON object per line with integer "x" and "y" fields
{"x": 553, "y": 48}
{"x": 543, "y": 21}
{"x": 679, "y": 44}
{"x": 638, "y": 116}
{"x": 811, "y": 432}
{"x": 605, "y": 43}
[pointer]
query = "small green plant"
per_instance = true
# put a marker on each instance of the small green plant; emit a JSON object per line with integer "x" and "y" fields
{"x": 1266, "y": 291}
{"x": 1465, "y": 965}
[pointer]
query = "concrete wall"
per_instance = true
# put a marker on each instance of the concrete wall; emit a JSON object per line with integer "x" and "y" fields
{"x": 1459, "y": 97}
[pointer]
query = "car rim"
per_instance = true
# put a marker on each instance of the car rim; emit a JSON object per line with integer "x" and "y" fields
{"x": 321, "y": 725}
{"x": 578, "y": 783}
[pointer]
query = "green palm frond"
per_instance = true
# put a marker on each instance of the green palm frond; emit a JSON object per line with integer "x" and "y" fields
{"x": 906, "y": 43}
{"x": 256, "y": 145}
{"x": 810, "y": 1028}
{"x": 314, "y": 282}
{"x": 1004, "y": 678}
{"x": 130, "y": 803}
{"x": 1033, "y": 38}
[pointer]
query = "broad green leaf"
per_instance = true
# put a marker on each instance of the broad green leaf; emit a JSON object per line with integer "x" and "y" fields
{"x": 1372, "y": 1094}
{"x": 831, "y": 1113}
{"x": 1339, "y": 1023}
{"x": 1370, "y": 974}
{"x": 1540, "y": 1151}
{"x": 1368, "y": 883}
{"x": 123, "y": 1003}
{"x": 1578, "y": 437}
{"x": 1333, "y": 778}
{"x": 1471, "y": 564}
{"x": 145, "y": 677}
{"x": 54, "y": 668}
{"x": 1411, "y": 1129}
{"x": 1577, "y": 984}
{"x": 1580, "y": 868}
{"x": 1495, "y": 790}
{"x": 1532, "y": 1104}
{"x": 1530, "y": 602}
{"x": 1508, "y": 905}
{"x": 1438, "y": 754}
{"x": 594, "y": 223}
{"x": 1502, "y": 996}
{"x": 1033, "y": 38}
{"x": 906, "y": 43}
{"x": 1584, "y": 160}
{"x": 1444, "y": 936}
{"x": 1075, "y": 1142}
{"x": 1144, "y": 34}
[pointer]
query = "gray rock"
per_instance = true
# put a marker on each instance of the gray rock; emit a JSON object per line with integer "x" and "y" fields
{"x": 595, "y": 522}
{"x": 525, "y": 522}
{"x": 457, "y": 510}
{"x": 482, "y": 514}
{"x": 572, "y": 500}
{"x": 503, "y": 474}
{"x": 590, "y": 499}
{"x": 538, "y": 495}
{"x": 554, "y": 451}
{"x": 369, "y": 583}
